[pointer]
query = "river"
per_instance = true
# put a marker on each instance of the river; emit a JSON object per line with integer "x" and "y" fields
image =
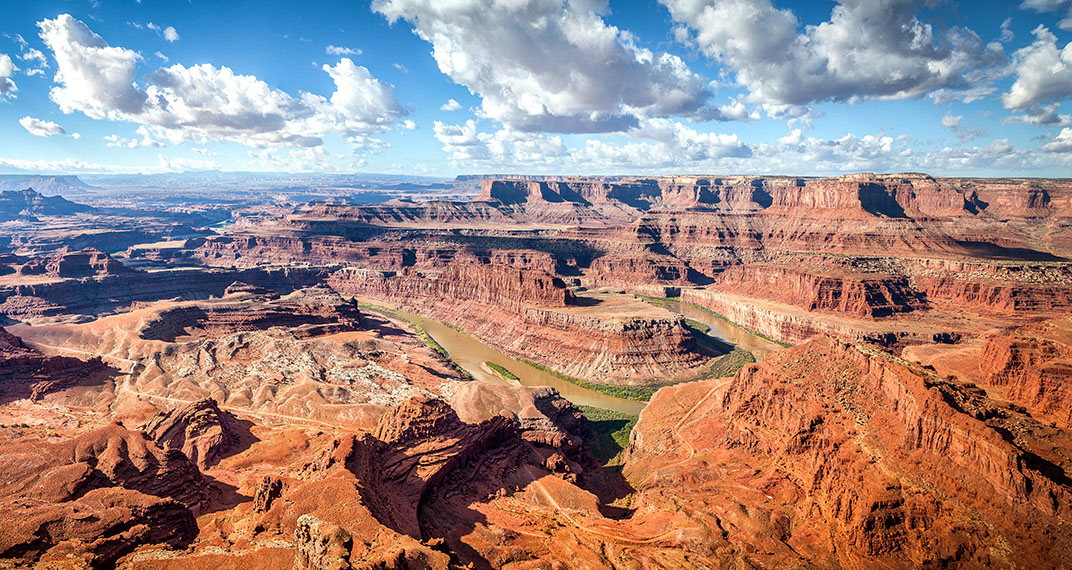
{"x": 759, "y": 347}
{"x": 471, "y": 354}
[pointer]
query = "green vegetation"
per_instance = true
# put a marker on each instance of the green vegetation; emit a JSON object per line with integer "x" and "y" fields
{"x": 642, "y": 392}
{"x": 506, "y": 374}
{"x": 611, "y": 433}
{"x": 728, "y": 364}
{"x": 697, "y": 326}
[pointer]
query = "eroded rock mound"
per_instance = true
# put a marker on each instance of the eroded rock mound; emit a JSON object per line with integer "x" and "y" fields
{"x": 201, "y": 430}
{"x": 96, "y": 497}
{"x": 540, "y": 414}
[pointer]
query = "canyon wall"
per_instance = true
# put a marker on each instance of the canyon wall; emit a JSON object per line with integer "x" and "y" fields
{"x": 857, "y": 459}
{"x": 528, "y": 314}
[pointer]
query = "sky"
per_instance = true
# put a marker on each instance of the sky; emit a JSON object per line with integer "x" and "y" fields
{"x": 447, "y": 87}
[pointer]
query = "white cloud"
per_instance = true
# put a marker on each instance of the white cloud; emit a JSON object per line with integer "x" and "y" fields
{"x": 189, "y": 103}
{"x": 341, "y": 50}
{"x": 162, "y": 57}
{"x": 41, "y": 128}
{"x": 400, "y": 67}
{"x": 1053, "y": 6}
{"x": 67, "y": 165}
{"x": 409, "y": 125}
{"x": 170, "y": 34}
{"x": 736, "y": 111}
{"x": 952, "y": 122}
{"x": 868, "y": 49}
{"x": 7, "y": 69}
{"x": 1042, "y": 115}
{"x": 314, "y": 159}
{"x": 552, "y": 65}
{"x": 182, "y": 164}
{"x": 367, "y": 145}
{"x": 460, "y": 142}
{"x": 203, "y": 151}
{"x": 450, "y": 105}
{"x": 1063, "y": 142}
{"x": 1043, "y": 74}
{"x": 92, "y": 76}
{"x": 1006, "y": 33}
{"x": 997, "y": 158}
{"x": 662, "y": 143}
{"x": 34, "y": 57}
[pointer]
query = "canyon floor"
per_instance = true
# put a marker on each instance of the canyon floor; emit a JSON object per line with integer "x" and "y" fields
{"x": 869, "y": 371}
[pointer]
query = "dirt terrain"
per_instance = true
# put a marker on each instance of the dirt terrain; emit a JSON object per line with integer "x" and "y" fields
{"x": 180, "y": 394}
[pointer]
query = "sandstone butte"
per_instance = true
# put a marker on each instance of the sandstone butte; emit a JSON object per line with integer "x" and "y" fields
{"x": 257, "y": 397}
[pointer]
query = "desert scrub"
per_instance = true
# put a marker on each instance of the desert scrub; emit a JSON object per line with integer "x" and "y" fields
{"x": 503, "y": 372}
{"x": 610, "y": 433}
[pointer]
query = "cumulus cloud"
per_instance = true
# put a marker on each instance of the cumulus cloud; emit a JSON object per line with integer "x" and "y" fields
{"x": 450, "y": 105}
{"x": 1043, "y": 116}
{"x": 67, "y": 165}
{"x": 341, "y": 50}
{"x": 1063, "y": 142}
{"x": 170, "y": 34}
{"x": 952, "y": 122}
{"x": 7, "y": 69}
{"x": 203, "y": 101}
{"x": 314, "y": 159}
{"x": 660, "y": 143}
{"x": 182, "y": 164}
{"x": 868, "y": 49}
{"x": 1043, "y": 79}
{"x": 41, "y": 128}
{"x": 996, "y": 156}
{"x": 1053, "y": 6}
{"x": 551, "y": 65}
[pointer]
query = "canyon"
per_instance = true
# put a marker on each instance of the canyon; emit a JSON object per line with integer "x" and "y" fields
{"x": 871, "y": 370}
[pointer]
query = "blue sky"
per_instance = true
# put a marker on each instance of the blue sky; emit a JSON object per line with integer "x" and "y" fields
{"x": 537, "y": 86}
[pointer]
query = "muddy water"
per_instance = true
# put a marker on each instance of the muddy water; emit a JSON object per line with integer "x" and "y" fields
{"x": 760, "y": 348}
{"x": 471, "y": 354}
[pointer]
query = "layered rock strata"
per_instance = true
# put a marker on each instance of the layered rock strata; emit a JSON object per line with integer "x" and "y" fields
{"x": 838, "y": 455}
{"x": 528, "y": 314}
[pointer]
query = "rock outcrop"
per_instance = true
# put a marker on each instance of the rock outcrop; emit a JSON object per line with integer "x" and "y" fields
{"x": 201, "y": 430}
{"x": 310, "y": 311}
{"x": 21, "y": 204}
{"x": 1033, "y": 367}
{"x": 26, "y": 373}
{"x": 838, "y": 455}
{"x": 95, "y": 497}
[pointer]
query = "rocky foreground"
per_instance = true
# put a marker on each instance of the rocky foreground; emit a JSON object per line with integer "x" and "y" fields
{"x": 263, "y": 397}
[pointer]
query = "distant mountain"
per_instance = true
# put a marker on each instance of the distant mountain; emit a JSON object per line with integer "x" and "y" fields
{"x": 28, "y": 204}
{"x": 47, "y": 185}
